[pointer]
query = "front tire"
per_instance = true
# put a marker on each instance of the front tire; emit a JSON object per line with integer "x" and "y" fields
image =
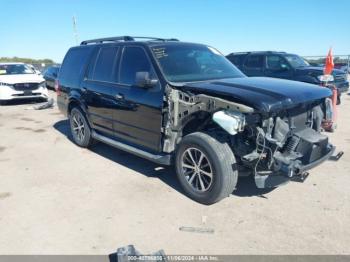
{"x": 80, "y": 129}
{"x": 206, "y": 168}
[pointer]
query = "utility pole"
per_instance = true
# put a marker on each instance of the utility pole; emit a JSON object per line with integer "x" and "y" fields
{"x": 75, "y": 30}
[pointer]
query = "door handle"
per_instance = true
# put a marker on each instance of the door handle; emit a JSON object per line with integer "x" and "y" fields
{"x": 83, "y": 89}
{"x": 119, "y": 96}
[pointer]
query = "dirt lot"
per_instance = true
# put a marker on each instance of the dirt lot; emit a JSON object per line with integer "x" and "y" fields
{"x": 56, "y": 198}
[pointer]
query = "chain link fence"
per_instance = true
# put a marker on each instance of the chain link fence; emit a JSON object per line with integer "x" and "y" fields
{"x": 341, "y": 62}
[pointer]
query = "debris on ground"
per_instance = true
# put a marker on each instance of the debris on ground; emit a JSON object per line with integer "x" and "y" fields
{"x": 129, "y": 253}
{"x": 46, "y": 105}
{"x": 197, "y": 230}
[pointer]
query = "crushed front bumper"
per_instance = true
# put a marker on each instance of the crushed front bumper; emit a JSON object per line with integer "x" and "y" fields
{"x": 309, "y": 149}
{"x": 279, "y": 178}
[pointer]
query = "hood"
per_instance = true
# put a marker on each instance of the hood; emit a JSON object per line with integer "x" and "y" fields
{"x": 262, "y": 93}
{"x": 23, "y": 78}
{"x": 318, "y": 70}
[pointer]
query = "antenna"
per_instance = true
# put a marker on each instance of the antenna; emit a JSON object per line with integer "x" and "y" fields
{"x": 75, "y": 30}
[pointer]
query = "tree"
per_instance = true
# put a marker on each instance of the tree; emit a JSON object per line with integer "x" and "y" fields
{"x": 27, "y": 60}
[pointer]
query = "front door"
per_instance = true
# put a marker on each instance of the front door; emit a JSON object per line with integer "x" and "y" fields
{"x": 138, "y": 111}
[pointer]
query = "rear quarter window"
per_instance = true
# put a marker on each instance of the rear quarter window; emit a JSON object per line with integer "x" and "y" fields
{"x": 254, "y": 61}
{"x": 73, "y": 66}
{"x": 237, "y": 59}
{"x": 104, "y": 68}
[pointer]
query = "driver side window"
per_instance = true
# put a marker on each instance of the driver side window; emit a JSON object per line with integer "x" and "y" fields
{"x": 134, "y": 60}
{"x": 275, "y": 62}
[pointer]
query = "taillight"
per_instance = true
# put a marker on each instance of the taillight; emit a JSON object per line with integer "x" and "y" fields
{"x": 57, "y": 87}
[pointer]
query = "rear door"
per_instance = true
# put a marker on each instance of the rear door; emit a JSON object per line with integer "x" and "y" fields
{"x": 97, "y": 88}
{"x": 254, "y": 65}
{"x": 138, "y": 112}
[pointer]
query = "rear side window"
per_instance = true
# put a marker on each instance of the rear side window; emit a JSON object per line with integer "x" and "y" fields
{"x": 134, "y": 60}
{"x": 254, "y": 61}
{"x": 73, "y": 66}
{"x": 104, "y": 69}
{"x": 237, "y": 59}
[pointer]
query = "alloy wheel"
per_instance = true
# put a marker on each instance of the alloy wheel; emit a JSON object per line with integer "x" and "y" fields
{"x": 197, "y": 169}
{"x": 78, "y": 127}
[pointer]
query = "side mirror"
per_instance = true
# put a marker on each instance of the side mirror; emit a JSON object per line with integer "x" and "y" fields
{"x": 143, "y": 80}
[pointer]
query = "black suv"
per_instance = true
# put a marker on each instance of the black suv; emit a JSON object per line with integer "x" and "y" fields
{"x": 186, "y": 104}
{"x": 287, "y": 66}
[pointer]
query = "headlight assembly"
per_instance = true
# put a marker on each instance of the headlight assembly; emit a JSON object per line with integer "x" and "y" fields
{"x": 326, "y": 78}
{"x": 42, "y": 85}
{"x": 232, "y": 122}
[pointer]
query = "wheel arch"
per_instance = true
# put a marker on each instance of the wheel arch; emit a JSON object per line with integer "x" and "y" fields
{"x": 195, "y": 122}
{"x": 75, "y": 102}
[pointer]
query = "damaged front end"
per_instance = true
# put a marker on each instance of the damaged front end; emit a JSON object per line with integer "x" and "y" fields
{"x": 275, "y": 147}
{"x": 284, "y": 146}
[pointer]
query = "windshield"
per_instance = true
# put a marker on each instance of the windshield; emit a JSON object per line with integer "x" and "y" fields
{"x": 15, "y": 69}
{"x": 296, "y": 61}
{"x": 190, "y": 63}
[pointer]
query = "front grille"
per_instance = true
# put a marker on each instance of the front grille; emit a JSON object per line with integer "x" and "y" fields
{"x": 340, "y": 78}
{"x": 32, "y": 94}
{"x": 25, "y": 86}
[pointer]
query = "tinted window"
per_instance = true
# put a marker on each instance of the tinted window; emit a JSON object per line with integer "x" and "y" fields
{"x": 192, "y": 62}
{"x": 237, "y": 59}
{"x": 73, "y": 65}
{"x": 105, "y": 64}
{"x": 134, "y": 60}
{"x": 255, "y": 61}
{"x": 55, "y": 70}
{"x": 296, "y": 61}
{"x": 275, "y": 62}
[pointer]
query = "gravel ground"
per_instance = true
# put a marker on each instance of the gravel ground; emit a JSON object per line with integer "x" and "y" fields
{"x": 56, "y": 198}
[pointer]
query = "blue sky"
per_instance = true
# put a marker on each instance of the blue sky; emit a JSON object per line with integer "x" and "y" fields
{"x": 43, "y": 29}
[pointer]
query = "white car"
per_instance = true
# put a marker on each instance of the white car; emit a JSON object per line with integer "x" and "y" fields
{"x": 19, "y": 81}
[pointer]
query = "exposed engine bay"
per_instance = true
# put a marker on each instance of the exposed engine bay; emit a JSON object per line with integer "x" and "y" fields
{"x": 280, "y": 144}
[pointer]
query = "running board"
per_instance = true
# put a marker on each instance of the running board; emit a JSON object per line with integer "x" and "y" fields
{"x": 159, "y": 159}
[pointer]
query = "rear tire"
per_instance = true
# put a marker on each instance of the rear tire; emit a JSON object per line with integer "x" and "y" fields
{"x": 80, "y": 129}
{"x": 206, "y": 168}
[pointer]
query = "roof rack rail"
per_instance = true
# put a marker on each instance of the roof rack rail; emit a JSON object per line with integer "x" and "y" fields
{"x": 239, "y": 53}
{"x": 125, "y": 39}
